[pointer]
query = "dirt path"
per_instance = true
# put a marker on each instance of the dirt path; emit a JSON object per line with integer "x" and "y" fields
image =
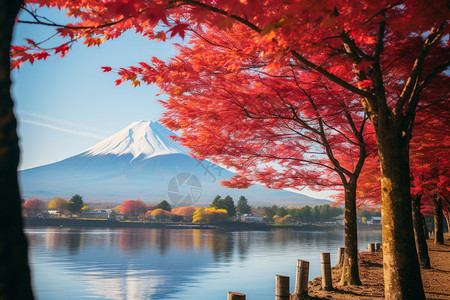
{"x": 436, "y": 281}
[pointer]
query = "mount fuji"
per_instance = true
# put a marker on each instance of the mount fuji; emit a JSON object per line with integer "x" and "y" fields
{"x": 141, "y": 161}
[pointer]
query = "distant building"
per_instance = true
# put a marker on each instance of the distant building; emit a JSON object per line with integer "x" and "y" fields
{"x": 252, "y": 218}
{"x": 339, "y": 219}
{"x": 118, "y": 217}
{"x": 95, "y": 215}
{"x": 375, "y": 220}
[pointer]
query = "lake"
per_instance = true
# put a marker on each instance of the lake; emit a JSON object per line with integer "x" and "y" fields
{"x": 141, "y": 263}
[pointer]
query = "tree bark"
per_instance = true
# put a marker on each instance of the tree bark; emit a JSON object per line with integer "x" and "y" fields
{"x": 438, "y": 220}
{"x": 424, "y": 226}
{"x": 350, "y": 269}
{"x": 421, "y": 242}
{"x": 401, "y": 268}
{"x": 447, "y": 219}
{"x": 15, "y": 282}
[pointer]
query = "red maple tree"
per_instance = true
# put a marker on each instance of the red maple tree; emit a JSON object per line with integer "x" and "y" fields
{"x": 33, "y": 206}
{"x": 134, "y": 208}
{"x": 275, "y": 128}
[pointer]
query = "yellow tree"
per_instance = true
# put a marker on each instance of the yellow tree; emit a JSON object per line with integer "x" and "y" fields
{"x": 59, "y": 204}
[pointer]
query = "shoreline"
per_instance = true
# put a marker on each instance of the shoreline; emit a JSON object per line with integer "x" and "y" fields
{"x": 230, "y": 226}
{"x": 436, "y": 281}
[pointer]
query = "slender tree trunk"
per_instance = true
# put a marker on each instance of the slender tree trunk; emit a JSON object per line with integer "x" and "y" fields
{"x": 15, "y": 280}
{"x": 425, "y": 227}
{"x": 401, "y": 268}
{"x": 438, "y": 220}
{"x": 350, "y": 270}
{"x": 421, "y": 242}
{"x": 446, "y": 212}
{"x": 447, "y": 219}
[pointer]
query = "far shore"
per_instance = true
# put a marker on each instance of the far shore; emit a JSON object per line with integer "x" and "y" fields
{"x": 229, "y": 226}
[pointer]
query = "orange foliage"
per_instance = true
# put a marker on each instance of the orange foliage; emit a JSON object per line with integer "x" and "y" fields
{"x": 210, "y": 215}
{"x": 133, "y": 208}
{"x": 187, "y": 212}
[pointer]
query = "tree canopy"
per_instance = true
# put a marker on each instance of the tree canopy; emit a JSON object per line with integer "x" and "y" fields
{"x": 242, "y": 206}
{"x": 76, "y": 204}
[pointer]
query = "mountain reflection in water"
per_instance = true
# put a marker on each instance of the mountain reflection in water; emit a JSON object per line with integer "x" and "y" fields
{"x": 138, "y": 263}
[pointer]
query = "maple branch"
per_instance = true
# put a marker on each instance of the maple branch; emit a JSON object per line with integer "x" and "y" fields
{"x": 412, "y": 81}
{"x": 208, "y": 41}
{"x": 411, "y": 108}
{"x": 220, "y": 11}
{"x": 53, "y": 24}
{"x": 433, "y": 74}
{"x": 271, "y": 156}
{"x": 379, "y": 46}
{"x": 357, "y": 54}
{"x": 338, "y": 168}
{"x": 331, "y": 77}
{"x": 362, "y": 145}
{"x": 305, "y": 61}
{"x": 383, "y": 11}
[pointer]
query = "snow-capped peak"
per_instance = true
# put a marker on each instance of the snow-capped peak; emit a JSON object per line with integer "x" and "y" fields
{"x": 145, "y": 138}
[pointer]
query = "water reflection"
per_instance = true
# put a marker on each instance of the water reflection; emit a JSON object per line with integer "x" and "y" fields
{"x": 126, "y": 263}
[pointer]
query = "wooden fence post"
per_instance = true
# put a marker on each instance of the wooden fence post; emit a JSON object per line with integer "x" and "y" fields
{"x": 378, "y": 246}
{"x": 235, "y": 296}
{"x": 282, "y": 288}
{"x": 327, "y": 283}
{"x": 301, "y": 280}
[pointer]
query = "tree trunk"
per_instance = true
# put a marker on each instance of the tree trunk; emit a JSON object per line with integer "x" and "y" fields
{"x": 401, "y": 268}
{"x": 425, "y": 227}
{"x": 438, "y": 220}
{"x": 447, "y": 219}
{"x": 15, "y": 280}
{"x": 421, "y": 242}
{"x": 350, "y": 270}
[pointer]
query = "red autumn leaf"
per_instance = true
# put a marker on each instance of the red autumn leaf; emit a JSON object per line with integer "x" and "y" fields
{"x": 61, "y": 49}
{"x": 179, "y": 29}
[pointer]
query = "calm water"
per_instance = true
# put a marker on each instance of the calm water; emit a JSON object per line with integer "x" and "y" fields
{"x": 122, "y": 263}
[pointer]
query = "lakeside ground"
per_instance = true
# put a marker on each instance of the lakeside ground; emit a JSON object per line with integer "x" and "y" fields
{"x": 436, "y": 280}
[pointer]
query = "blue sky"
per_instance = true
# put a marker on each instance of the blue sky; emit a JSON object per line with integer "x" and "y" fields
{"x": 66, "y": 105}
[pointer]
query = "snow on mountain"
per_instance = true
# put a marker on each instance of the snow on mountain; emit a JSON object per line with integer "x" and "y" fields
{"x": 143, "y": 139}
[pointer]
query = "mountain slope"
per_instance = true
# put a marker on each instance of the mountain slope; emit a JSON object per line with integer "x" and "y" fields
{"x": 142, "y": 162}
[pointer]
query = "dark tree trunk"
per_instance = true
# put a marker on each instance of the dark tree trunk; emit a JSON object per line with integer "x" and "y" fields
{"x": 425, "y": 227}
{"x": 446, "y": 212}
{"x": 401, "y": 268}
{"x": 421, "y": 242}
{"x": 447, "y": 219}
{"x": 438, "y": 220}
{"x": 350, "y": 270}
{"x": 15, "y": 280}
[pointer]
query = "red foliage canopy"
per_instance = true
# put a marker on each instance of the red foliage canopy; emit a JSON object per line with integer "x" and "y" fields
{"x": 133, "y": 208}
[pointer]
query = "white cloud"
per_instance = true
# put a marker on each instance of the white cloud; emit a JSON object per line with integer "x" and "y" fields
{"x": 61, "y": 122}
{"x": 76, "y": 132}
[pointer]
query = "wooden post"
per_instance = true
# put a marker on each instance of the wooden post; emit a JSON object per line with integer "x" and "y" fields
{"x": 327, "y": 283}
{"x": 301, "y": 280}
{"x": 378, "y": 246}
{"x": 341, "y": 256}
{"x": 371, "y": 247}
{"x": 235, "y": 296}
{"x": 282, "y": 288}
